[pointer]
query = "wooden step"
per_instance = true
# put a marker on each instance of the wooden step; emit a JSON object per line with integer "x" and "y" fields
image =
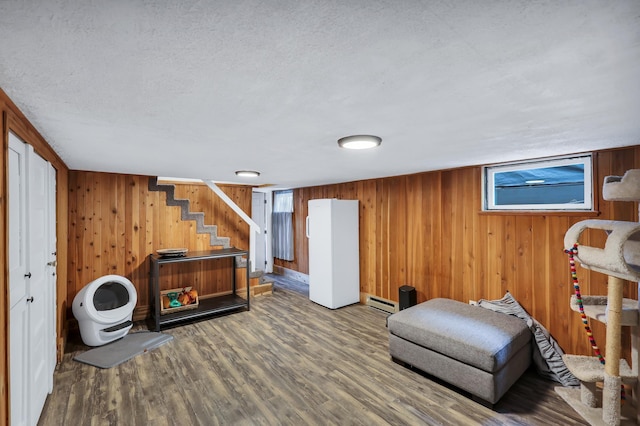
{"x": 596, "y": 307}
{"x": 255, "y": 290}
{"x": 589, "y": 369}
{"x": 262, "y": 289}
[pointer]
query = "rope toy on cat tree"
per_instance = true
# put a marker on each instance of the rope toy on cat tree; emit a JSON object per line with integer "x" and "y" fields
{"x": 576, "y": 286}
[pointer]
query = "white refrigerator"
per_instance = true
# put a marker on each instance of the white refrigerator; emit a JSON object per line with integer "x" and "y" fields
{"x": 334, "y": 253}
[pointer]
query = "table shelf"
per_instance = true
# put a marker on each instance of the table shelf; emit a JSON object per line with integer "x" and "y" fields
{"x": 208, "y": 305}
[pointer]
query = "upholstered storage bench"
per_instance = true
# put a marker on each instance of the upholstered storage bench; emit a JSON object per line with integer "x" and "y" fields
{"x": 475, "y": 349}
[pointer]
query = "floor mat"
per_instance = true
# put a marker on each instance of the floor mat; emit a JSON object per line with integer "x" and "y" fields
{"x": 122, "y": 350}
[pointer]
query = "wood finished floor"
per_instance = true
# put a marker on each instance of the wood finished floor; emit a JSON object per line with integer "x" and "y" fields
{"x": 287, "y": 361}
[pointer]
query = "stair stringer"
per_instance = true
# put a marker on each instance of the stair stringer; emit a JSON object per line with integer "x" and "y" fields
{"x": 187, "y": 214}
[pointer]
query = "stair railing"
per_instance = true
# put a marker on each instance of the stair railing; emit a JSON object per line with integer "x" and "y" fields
{"x": 253, "y": 227}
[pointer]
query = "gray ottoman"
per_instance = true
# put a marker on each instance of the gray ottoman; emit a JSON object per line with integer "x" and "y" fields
{"x": 475, "y": 349}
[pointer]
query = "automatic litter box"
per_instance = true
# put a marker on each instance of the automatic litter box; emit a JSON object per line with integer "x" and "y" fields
{"x": 104, "y": 309}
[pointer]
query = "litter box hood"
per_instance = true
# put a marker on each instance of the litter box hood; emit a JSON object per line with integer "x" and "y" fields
{"x": 104, "y": 309}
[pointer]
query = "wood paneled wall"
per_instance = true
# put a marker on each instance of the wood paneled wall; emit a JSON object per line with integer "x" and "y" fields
{"x": 14, "y": 120}
{"x": 427, "y": 230}
{"x": 115, "y": 222}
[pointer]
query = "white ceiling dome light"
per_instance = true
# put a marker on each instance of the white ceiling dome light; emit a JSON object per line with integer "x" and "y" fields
{"x": 359, "y": 142}
{"x": 247, "y": 173}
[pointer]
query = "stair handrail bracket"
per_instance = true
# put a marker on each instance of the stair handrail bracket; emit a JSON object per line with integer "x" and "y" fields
{"x": 620, "y": 256}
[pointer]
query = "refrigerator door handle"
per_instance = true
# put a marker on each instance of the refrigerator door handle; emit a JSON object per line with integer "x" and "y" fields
{"x": 307, "y": 227}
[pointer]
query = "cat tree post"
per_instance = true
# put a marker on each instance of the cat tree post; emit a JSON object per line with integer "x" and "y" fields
{"x": 612, "y": 380}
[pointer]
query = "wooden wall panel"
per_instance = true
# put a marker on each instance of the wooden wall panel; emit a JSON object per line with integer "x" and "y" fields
{"x": 115, "y": 222}
{"x": 208, "y": 277}
{"x": 427, "y": 230}
{"x": 415, "y": 240}
{"x": 15, "y": 121}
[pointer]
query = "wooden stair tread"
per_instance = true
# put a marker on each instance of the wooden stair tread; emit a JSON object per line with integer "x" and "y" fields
{"x": 262, "y": 289}
{"x": 589, "y": 369}
{"x": 596, "y": 307}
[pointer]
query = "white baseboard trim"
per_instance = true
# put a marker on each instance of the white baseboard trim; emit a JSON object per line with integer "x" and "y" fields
{"x": 290, "y": 273}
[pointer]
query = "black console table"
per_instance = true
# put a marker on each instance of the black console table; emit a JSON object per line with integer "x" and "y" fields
{"x": 207, "y": 306}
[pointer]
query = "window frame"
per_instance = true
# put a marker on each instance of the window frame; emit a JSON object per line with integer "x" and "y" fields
{"x": 488, "y": 184}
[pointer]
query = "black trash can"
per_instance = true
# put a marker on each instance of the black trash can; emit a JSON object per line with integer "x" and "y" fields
{"x": 407, "y": 297}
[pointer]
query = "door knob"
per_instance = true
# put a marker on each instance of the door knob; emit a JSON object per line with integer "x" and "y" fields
{"x": 30, "y": 299}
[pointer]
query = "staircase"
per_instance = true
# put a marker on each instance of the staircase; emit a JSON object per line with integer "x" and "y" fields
{"x": 263, "y": 285}
{"x": 186, "y": 214}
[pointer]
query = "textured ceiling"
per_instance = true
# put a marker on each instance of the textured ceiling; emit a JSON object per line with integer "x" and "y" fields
{"x": 198, "y": 89}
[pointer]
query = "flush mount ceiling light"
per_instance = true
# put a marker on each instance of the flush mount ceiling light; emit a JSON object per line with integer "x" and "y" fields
{"x": 247, "y": 173}
{"x": 359, "y": 142}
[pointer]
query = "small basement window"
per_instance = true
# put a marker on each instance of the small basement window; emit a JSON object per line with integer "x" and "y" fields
{"x": 552, "y": 184}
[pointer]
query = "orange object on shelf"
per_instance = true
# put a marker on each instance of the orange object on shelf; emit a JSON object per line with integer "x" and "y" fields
{"x": 187, "y": 297}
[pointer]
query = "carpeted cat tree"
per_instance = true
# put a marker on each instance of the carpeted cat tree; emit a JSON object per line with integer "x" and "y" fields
{"x": 620, "y": 260}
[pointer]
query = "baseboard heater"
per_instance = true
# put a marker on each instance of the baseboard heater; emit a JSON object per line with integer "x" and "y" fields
{"x": 382, "y": 304}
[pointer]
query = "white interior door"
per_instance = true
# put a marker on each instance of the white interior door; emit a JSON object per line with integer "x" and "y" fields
{"x": 40, "y": 292}
{"x": 51, "y": 272}
{"x": 32, "y": 285}
{"x": 18, "y": 304}
{"x": 17, "y": 219}
{"x": 258, "y": 214}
